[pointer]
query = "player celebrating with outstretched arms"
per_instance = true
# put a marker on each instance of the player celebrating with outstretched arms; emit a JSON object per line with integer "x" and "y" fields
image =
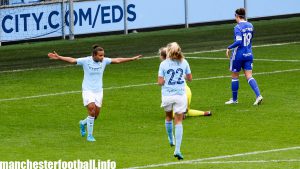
{"x": 92, "y": 91}
{"x": 171, "y": 78}
{"x": 242, "y": 57}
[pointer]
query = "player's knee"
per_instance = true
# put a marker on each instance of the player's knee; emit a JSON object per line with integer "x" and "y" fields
{"x": 249, "y": 78}
{"x": 178, "y": 118}
{"x": 91, "y": 109}
{"x": 169, "y": 116}
{"x": 235, "y": 75}
{"x": 92, "y": 113}
{"x": 96, "y": 114}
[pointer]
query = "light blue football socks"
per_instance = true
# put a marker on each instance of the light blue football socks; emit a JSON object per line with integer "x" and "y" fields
{"x": 90, "y": 126}
{"x": 169, "y": 129}
{"x": 84, "y": 121}
{"x": 178, "y": 137}
{"x": 82, "y": 128}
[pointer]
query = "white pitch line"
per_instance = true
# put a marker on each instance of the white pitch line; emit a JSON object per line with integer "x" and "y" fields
{"x": 137, "y": 85}
{"x": 245, "y": 161}
{"x": 277, "y": 60}
{"x": 260, "y": 73}
{"x": 214, "y": 158}
{"x": 220, "y": 50}
{"x": 71, "y": 92}
{"x": 31, "y": 69}
{"x": 38, "y": 96}
{"x": 274, "y": 44}
{"x": 151, "y": 57}
{"x": 255, "y": 46}
{"x": 268, "y": 60}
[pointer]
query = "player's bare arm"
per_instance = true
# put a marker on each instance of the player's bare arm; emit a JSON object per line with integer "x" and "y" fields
{"x": 122, "y": 60}
{"x": 56, "y": 56}
{"x": 160, "y": 81}
{"x": 228, "y": 53}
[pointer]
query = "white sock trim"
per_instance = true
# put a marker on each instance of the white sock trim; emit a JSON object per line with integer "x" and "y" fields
{"x": 250, "y": 79}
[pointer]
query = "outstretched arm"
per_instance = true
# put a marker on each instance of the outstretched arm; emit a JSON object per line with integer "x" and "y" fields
{"x": 56, "y": 56}
{"x": 122, "y": 60}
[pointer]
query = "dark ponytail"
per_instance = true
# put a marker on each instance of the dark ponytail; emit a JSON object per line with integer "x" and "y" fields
{"x": 96, "y": 48}
{"x": 241, "y": 13}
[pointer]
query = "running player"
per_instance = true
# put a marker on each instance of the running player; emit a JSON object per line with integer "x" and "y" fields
{"x": 242, "y": 57}
{"x": 171, "y": 78}
{"x": 92, "y": 91}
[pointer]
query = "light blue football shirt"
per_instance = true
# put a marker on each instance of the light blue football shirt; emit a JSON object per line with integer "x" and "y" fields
{"x": 173, "y": 72}
{"x": 93, "y": 73}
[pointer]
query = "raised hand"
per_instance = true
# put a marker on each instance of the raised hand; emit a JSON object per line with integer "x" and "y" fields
{"x": 53, "y": 55}
{"x": 137, "y": 57}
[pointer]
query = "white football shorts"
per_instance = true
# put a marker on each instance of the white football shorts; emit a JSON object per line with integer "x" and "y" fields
{"x": 90, "y": 97}
{"x": 177, "y": 103}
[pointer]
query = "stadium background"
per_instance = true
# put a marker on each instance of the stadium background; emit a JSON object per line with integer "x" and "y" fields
{"x": 40, "y": 100}
{"x": 34, "y": 20}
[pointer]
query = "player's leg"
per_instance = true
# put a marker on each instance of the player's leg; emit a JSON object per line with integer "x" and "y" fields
{"x": 190, "y": 112}
{"x": 92, "y": 101}
{"x": 252, "y": 82}
{"x": 94, "y": 110}
{"x": 235, "y": 68}
{"x": 169, "y": 127}
{"x": 189, "y": 96}
{"x": 97, "y": 111}
{"x": 98, "y": 102}
{"x": 189, "y": 99}
{"x": 193, "y": 113}
{"x": 82, "y": 124}
{"x": 91, "y": 107}
{"x": 178, "y": 135}
{"x": 235, "y": 85}
{"x": 167, "y": 105}
{"x": 179, "y": 108}
{"x": 234, "y": 88}
{"x": 87, "y": 98}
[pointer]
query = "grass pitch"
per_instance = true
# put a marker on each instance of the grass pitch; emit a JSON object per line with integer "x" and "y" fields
{"x": 40, "y": 107}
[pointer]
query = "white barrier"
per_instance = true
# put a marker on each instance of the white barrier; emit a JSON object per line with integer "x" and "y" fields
{"x": 44, "y": 21}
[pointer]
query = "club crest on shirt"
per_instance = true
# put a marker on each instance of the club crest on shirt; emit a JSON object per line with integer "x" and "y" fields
{"x": 95, "y": 67}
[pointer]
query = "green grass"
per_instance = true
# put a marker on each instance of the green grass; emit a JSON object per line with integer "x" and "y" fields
{"x": 130, "y": 129}
{"x": 197, "y": 38}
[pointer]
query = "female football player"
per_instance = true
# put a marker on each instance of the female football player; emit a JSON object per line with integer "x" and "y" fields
{"x": 242, "y": 57}
{"x": 171, "y": 78}
{"x": 92, "y": 91}
{"x": 189, "y": 112}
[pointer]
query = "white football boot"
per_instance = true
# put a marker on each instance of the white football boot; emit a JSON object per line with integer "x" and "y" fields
{"x": 231, "y": 101}
{"x": 258, "y": 100}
